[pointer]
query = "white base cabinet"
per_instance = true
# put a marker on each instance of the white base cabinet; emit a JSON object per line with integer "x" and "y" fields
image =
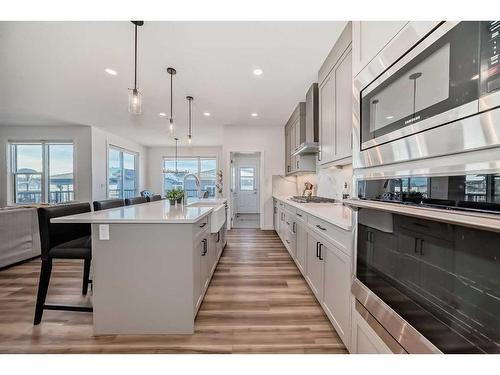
{"x": 337, "y": 289}
{"x": 324, "y": 260}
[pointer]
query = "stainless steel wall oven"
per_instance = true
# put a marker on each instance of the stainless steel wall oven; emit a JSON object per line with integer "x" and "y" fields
{"x": 428, "y": 260}
{"x": 440, "y": 97}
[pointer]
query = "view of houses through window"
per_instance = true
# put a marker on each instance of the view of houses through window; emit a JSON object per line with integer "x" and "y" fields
{"x": 122, "y": 173}
{"x": 42, "y": 172}
{"x": 204, "y": 168}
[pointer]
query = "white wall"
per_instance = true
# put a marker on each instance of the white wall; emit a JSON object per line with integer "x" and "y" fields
{"x": 101, "y": 140}
{"x": 79, "y": 135}
{"x": 155, "y": 161}
{"x": 270, "y": 142}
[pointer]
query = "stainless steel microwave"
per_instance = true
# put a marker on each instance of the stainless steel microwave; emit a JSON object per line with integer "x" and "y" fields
{"x": 441, "y": 97}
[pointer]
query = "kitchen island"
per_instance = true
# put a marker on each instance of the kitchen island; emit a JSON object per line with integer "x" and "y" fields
{"x": 152, "y": 264}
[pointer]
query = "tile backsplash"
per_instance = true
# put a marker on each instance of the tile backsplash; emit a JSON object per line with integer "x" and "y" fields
{"x": 328, "y": 182}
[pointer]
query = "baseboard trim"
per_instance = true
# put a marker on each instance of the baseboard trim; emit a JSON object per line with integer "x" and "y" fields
{"x": 267, "y": 227}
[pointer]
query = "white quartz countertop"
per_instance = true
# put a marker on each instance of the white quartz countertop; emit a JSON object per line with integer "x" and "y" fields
{"x": 158, "y": 212}
{"x": 333, "y": 213}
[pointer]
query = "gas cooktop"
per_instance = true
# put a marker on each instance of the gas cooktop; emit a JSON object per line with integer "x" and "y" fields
{"x": 312, "y": 199}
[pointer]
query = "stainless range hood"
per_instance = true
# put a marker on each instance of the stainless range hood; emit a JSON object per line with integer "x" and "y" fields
{"x": 309, "y": 137}
{"x": 307, "y": 148}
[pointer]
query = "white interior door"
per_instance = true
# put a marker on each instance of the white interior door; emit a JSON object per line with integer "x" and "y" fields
{"x": 247, "y": 186}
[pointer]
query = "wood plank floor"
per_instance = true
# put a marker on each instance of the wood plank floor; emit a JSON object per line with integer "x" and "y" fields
{"x": 257, "y": 302}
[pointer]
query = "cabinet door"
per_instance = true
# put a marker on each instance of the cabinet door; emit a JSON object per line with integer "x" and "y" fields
{"x": 343, "y": 108}
{"x": 212, "y": 253}
{"x": 205, "y": 263}
{"x": 197, "y": 273}
{"x": 293, "y": 146}
{"x": 314, "y": 274}
{"x": 288, "y": 140}
{"x": 327, "y": 119}
{"x": 301, "y": 246}
{"x": 369, "y": 38}
{"x": 337, "y": 289}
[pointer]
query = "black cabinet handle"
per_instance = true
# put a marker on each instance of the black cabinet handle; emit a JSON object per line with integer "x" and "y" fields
{"x": 218, "y": 236}
{"x": 299, "y": 215}
{"x": 320, "y": 251}
{"x": 317, "y": 249}
{"x": 288, "y": 242}
{"x": 294, "y": 229}
{"x": 320, "y": 227}
{"x": 202, "y": 225}
{"x": 297, "y": 164}
{"x": 287, "y": 223}
{"x": 205, "y": 247}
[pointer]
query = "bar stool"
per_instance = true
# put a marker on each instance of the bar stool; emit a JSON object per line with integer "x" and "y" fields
{"x": 107, "y": 204}
{"x": 135, "y": 200}
{"x": 62, "y": 241}
{"x": 153, "y": 198}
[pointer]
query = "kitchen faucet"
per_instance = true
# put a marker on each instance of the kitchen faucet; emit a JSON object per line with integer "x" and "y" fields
{"x": 197, "y": 180}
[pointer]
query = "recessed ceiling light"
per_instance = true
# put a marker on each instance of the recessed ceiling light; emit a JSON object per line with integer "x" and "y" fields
{"x": 254, "y": 114}
{"x": 207, "y": 114}
{"x": 162, "y": 114}
{"x": 111, "y": 71}
{"x": 389, "y": 117}
{"x": 257, "y": 72}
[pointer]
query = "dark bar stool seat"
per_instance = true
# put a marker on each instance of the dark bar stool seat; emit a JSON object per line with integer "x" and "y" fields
{"x": 62, "y": 241}
{"x": 153, "y": 198}
{"x": 107, "y": 204}
{"x": 135, "y": 200}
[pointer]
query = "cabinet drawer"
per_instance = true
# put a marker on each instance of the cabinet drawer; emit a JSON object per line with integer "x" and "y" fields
{"x": 301, "y": 215}
{"x": 341, "y": 238}
{"x": 200, "y": 226}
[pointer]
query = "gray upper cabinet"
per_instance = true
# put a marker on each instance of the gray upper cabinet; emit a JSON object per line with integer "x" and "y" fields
{"x": 369, "y": 38}
{"x": 294, "y": 135}
{"x": 335, "y": 103}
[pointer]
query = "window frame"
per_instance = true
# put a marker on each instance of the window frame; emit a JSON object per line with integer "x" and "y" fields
{"x": 253, "y": 177}
{"x": 121, "y": 150}
{"x": 44, "y": 174}
{"x": 198, "y": 173}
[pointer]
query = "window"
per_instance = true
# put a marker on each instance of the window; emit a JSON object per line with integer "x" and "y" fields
{"x": 204, "y": 168}
{"x": 122, "y": 173}
{"x": 247, "y": 178}
{"x": 43, "y": 172}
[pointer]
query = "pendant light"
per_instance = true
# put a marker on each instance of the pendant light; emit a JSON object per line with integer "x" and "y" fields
{"x": 134, "y": 95}
{"x": 190, "y": 127}
{"x": 176, "y": 170}
{"x": 171, "y": 127}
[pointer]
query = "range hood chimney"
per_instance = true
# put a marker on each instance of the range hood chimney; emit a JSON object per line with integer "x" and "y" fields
{"x": 310, "y": 144}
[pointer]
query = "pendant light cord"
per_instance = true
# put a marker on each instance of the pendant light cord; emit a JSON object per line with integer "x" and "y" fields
{"x": 190, "y": 118}
{"x": 171, "y": 95}
{"x": 176, "y": 171}
{"x": 135, "y": 57}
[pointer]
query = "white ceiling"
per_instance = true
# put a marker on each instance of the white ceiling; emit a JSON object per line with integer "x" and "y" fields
{"x": 53, "y": 73}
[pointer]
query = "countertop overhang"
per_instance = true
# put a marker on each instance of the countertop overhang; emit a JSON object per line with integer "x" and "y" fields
{"x": 158, "y": 212}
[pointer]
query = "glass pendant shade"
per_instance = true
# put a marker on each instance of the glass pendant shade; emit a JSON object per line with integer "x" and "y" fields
{"x": 171, "y": 126}
{"x": 135, "y": 102}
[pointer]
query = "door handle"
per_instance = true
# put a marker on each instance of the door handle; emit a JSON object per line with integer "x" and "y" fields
{"x": 202, "y": 225}
{"x": 317, "y": 249}
{"x": 320, "y": 251}
{"x": 320, "y": 227}
{"x": 294, "y": 229}
{"x": 204, "y": 242}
